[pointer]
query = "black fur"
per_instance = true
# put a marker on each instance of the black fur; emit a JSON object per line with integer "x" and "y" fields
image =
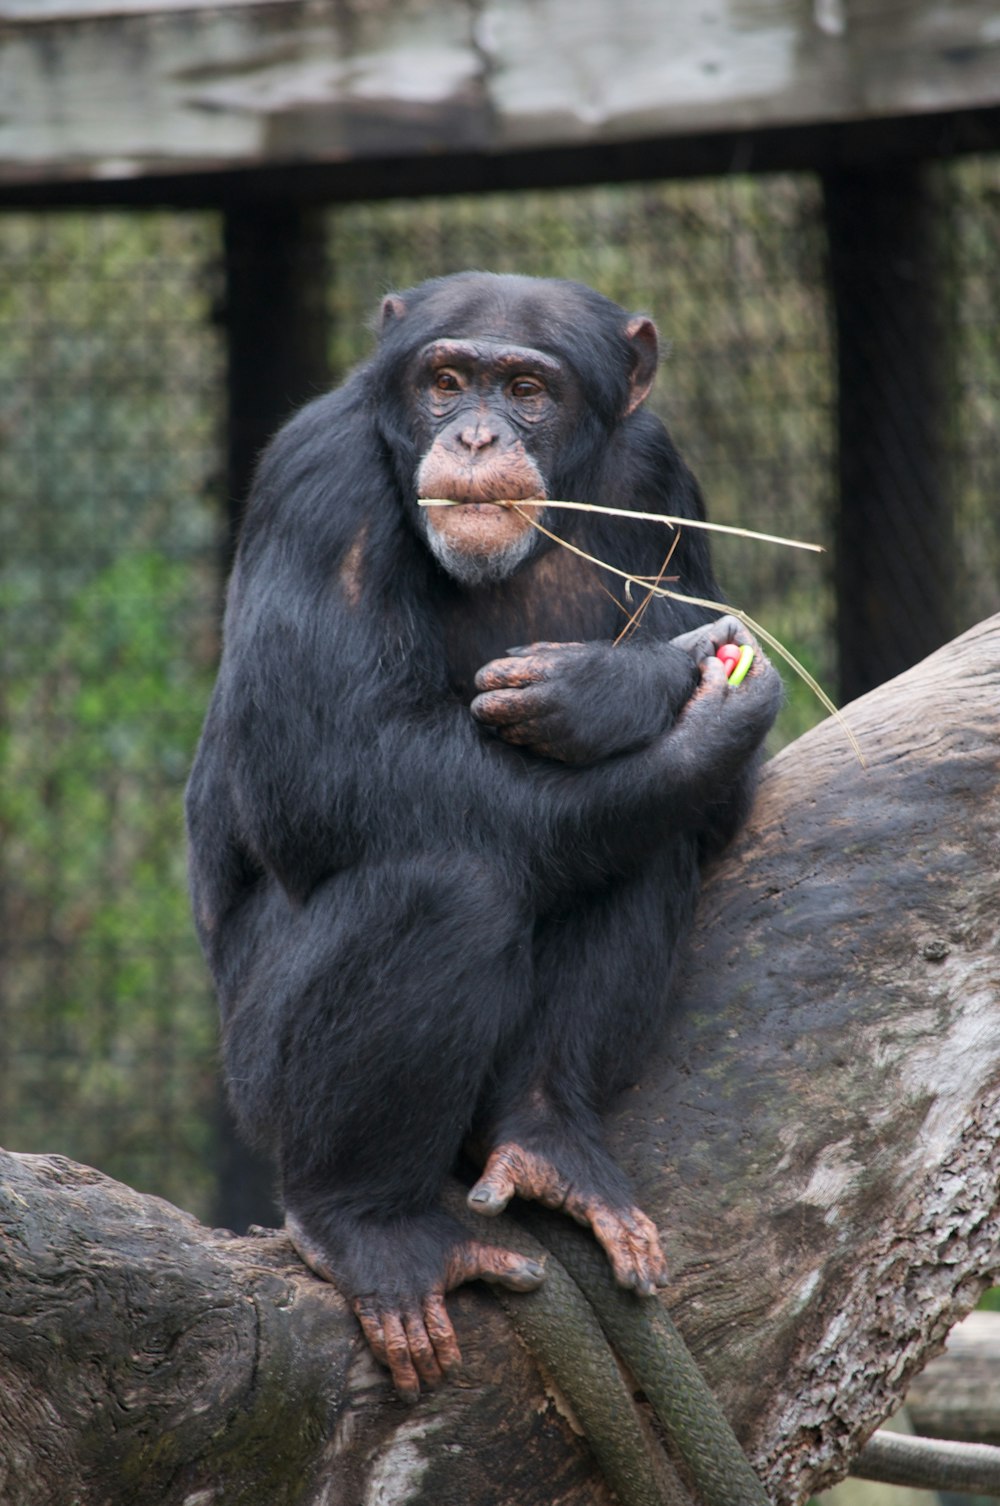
{"x": 412, "y": 925}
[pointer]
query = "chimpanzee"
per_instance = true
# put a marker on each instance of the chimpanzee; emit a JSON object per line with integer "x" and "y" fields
{"x": 445, "y": 827}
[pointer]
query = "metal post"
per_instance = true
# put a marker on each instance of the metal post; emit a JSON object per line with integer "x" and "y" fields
{"x": 895, "y": 552}
{"x": 275, "y": 318}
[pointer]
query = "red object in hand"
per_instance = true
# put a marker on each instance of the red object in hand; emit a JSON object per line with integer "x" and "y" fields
{"x": 729, "y": 655}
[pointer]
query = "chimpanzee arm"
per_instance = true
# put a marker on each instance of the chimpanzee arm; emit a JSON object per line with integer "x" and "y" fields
{"x": 326, "y": 759}
{"x": 321, "y": 733}
{"x": 669, "y": 704}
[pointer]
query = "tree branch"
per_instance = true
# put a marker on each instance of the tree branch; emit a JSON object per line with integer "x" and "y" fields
{"x": 817, "y": 1136}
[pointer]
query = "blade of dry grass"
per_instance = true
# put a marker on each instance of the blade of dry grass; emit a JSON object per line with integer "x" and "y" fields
{"x": 654, "y": 589}
{"x": 643, "y": 517}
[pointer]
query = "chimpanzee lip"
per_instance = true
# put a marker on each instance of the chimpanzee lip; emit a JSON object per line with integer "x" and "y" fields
{"x": 474, "y": 503}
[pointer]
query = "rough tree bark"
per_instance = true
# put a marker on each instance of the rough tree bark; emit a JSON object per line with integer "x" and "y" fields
{"x": 818, "y": 1137}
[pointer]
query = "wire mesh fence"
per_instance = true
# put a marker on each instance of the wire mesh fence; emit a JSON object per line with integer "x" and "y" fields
{"x": 112, "y": 511}
{"x": 110, "y": 408}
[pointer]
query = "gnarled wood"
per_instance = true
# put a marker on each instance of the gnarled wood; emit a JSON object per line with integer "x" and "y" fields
{"x": 818, "y": 1137}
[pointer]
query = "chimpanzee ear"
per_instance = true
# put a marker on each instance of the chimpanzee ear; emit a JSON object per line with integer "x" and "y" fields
{"x": 645, "y": 354}
{"x": 393, "y": 308}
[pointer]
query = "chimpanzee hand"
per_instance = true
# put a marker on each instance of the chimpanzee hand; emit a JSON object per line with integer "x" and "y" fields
{"x": 583, "y": 702}
{"x": 723, "y": 724}
{"x": 702, "y": 643}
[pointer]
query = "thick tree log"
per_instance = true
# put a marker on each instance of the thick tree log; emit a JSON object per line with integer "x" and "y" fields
{"x": 818, "y": 1138}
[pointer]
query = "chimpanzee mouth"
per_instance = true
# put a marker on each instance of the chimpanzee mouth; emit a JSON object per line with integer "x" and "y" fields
{"x": 473, "y": 503}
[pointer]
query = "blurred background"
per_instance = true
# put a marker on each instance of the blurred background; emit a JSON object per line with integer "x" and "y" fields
{"x": 130, "y": 413}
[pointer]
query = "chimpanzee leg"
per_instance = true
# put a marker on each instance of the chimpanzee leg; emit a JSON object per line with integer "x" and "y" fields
{"x": 378, "y": 1009}
{"x": 602, "y": 973}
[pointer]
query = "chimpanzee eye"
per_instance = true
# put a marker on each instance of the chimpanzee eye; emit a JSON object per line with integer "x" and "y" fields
{"x": 526, "y": 387}
{"x": 446, "y": 381}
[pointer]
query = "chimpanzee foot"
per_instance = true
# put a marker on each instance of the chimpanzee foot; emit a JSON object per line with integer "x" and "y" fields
{"x": 412, "y": 1335}
{"x": 417, "y": 1342}
{"x": 627, "y": 1236}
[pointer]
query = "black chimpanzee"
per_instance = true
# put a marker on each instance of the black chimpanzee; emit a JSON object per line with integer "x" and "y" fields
{"x": 441, "y": 881}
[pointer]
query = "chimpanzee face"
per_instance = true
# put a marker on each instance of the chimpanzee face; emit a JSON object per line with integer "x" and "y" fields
{"x": 505, "y": 383}
{"x": 489, "y": 414}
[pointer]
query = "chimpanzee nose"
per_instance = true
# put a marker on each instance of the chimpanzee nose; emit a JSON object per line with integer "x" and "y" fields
{"x": 477, "y": 436}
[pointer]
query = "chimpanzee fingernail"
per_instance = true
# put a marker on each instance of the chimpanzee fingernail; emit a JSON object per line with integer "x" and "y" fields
{"x": 528, "y": 1275}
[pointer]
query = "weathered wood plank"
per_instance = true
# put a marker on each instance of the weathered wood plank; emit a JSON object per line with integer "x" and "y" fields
{"x": 40, "y": 12}
{"x": 96, "y": 90}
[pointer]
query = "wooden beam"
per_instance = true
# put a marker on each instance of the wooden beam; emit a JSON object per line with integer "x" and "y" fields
{"x": 45, "y": 12}
{"x": 796, "y": 149}
{"x": 101, "y": 92}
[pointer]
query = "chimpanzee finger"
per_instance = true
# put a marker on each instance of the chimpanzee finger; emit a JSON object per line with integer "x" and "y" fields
{"x": 371, "y": 1326}
{"x": 442, "y": 1335}
{"x": 524, "y": 735}
{"x": 508, "y": 708}
{"x": 472, "y": 1261}
{"x": 422, "y": 1349}
{"x": 703, "y": 642}
{"x": 632, "y": 1244}
{"x": 512, "y": 673}
{"x": 730, "y": 629}
{"x": 398, "y": 1357}
{"x": 495, "y": 1187}
{"x": 516, "y": 1272}
{"x": 713, "y": 672}
{"x": 527, "y": 663}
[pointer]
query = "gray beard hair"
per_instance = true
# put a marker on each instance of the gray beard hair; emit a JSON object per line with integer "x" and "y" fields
{"x": 480, "y": 569}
